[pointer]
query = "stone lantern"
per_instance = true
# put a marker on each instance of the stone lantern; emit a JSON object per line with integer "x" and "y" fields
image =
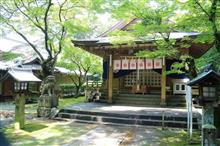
{"x": 20, "y": 86}
{"x": 209, "y": 83}
{"x": 19, "y": 89}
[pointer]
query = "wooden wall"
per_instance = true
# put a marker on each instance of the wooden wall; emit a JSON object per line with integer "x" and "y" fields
{"x": 7, "y": 87}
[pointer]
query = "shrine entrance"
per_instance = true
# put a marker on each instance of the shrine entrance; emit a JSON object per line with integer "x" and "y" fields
{"x": 143, "y": 82}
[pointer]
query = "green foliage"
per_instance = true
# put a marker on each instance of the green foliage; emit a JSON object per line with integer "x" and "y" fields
{"x": 71, "y": 101}
{"x": 160, "y": 17}
{"x": 74, "y": 58}
{"x": 211, "y": 57}
{"x": 153, "y": 24}
{"x": 7, "y": 56}
{"x": 67, "y": 87}
{"x": 53, "y": 22}
{"x": 81, "y": 63}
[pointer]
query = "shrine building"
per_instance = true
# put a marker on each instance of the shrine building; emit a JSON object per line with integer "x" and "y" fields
{"x": 128, "y": 77}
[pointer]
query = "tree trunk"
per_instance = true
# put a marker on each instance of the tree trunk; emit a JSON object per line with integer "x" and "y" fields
{"x": 48, "y": 67}
{"x": 77, "y": 90}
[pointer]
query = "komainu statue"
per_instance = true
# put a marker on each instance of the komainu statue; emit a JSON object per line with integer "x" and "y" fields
{"x": 48, "y": 98}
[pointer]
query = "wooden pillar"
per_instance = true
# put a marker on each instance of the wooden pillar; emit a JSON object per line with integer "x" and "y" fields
{"x": 163, "y": 84}
{"x": 110, "y": 79}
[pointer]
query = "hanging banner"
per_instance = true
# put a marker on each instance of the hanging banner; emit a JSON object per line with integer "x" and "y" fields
{"x": 158, "y": 63}
{"x": 117, "y": 64}
{"x": 141, "y": 64}
{"x": 149, "y": 64}
{"x": 133, "y": 64}
{"x": 125, "y": 64}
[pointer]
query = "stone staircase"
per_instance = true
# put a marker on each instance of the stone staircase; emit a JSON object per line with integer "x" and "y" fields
{"x": 162, "y": 119}
{"x": 145, "y": 99}
{"x": 137, "y": 99}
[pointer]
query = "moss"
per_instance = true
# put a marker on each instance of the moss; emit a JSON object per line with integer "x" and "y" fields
{"x": 171, "y": 137}
{"x": 31, "y": 127}
{"x": 45, "y": 133}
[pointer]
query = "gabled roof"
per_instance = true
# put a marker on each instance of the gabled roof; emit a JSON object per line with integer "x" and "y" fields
{"x": 23, "y": 75}
{"x": 102, "y": 41}
{"x": 207, "y": 73}
{"x": 102, "y": 44}
{"x": 121, "y": 25}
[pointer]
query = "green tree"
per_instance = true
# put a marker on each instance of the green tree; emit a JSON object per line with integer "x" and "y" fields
{"x": 52, "y": 23}
{"x": 159, "y": 18}
{"x": 156, "y": 22}
{"x": 81, "y": 63}
{"x": 49, "y": 21}
{"x": 202, "y": 17}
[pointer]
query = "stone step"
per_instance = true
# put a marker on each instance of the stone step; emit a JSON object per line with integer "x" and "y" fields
{"x": 139, "y": 95}
{"x": 137, "y": 99}
{"x": 127, "y": 121}
{"x": 138, "y": 103}
{"x": 128, "y": 115}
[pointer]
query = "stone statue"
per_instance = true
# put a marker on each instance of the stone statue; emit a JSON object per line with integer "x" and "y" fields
{"x": 49, "y": 97}
{"x": 48, "y": 87}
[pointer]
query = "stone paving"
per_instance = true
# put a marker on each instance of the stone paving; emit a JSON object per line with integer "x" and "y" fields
{"x": 102, "y": 107}
{"x": 103, "y": 135}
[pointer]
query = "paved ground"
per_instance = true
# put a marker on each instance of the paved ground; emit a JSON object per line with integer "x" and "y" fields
{"x": 101, "y": 107}
{"x": 118, "y": 136}
{"x": 81, "y": 134}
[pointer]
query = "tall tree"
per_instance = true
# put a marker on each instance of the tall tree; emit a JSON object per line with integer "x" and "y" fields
{"x": 202, "y": 17}
{"x": 51, "y": 22}
{"x": 154, "y": 22}
{"x": 158, "y": 18}
{"x": 157, "y": 22}
{"x": 81, "y": 63}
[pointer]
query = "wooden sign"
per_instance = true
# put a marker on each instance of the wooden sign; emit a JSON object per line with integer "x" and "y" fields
{"x": 141, "y": 64}
{"x": 158, "y": 63}
{"x": 125, "y": 64}
{"x": 117, "y": 64}
{"x": 149, "y": 64}
{"x": 133, "y": 64}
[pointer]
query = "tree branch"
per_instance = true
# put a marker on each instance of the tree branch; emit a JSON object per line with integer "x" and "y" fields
{"x": 28, "y": 17}
{"x": 46, "y": 37}
{"x": 25, "y": 38}
{"x": 201, "y": 7}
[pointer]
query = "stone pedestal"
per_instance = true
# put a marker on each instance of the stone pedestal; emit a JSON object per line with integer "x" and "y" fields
{"x": 208, "y": 128}
{"x": 209, "y": 135}
{"x": 45, "y": 104}
{"x": 48, "y": 98}
{"x": 217, "y": 120}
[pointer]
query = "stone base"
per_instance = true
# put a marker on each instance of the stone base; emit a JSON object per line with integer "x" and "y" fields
{"x": 43, "y": 112}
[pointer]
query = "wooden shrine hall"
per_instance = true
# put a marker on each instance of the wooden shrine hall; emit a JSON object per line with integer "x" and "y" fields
{"x": 125, "y": 74}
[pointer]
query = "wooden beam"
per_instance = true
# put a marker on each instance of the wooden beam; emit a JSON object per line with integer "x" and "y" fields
{"x": 110, "y": 79}
{"x": 163, "y": 85}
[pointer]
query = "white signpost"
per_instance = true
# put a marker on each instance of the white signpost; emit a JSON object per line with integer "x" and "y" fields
{"x": 189, "y": 110}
